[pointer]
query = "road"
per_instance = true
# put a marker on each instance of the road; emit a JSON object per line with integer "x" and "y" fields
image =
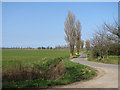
{"x": 107, "y": 75}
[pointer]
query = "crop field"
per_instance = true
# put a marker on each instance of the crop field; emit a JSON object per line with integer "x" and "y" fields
{"x": 13, "y": 57}
{"x": 40, "y": 68}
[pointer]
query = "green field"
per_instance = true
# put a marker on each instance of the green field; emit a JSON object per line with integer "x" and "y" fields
{"x": 26, "y": 57}
{"x": 54, "y": 65}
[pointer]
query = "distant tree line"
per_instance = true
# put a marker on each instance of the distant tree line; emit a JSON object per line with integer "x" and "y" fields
{"x": 61, "y": 47}
{"x": 45, "y": 47}
{"x": 56, "y": 47}
{"x": 17, "y": 47}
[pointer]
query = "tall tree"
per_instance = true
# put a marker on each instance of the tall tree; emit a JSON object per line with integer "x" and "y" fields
{"x": 70, "y": 32}
{"x": 82, "y": 44}
{"x": 87, "y": 45}
{"x": 78, "y": 35}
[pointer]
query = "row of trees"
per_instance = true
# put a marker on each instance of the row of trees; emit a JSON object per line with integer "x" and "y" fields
{"x": 17, "y": 47}
{"x": 56, "y": 47}
{"x": 73, "y": 33}
{"x": 106, "y": 41}
{"x": 61, "y": 47}
{"x": 45, "y": 47}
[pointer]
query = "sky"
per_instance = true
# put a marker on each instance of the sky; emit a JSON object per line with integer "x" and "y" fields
{"x": 37, "y": 24}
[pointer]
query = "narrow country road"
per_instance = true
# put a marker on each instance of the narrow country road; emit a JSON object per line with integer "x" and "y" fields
{"x": 107, "y": 75}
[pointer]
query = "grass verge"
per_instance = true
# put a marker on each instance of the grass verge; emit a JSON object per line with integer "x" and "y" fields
{"x": 106, "y": 60}
{"x": 74, "y": 72}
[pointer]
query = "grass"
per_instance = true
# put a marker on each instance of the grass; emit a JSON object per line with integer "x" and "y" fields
{"x": 111, "y": 60}
{"x": 106, "y": 60}
{"x": 46, "y": 61}
{"x": 13, "y": 57}
{"x": 76, "y": 56}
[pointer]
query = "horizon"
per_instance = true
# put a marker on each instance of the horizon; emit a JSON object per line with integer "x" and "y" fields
{"x": 42, "y": 24}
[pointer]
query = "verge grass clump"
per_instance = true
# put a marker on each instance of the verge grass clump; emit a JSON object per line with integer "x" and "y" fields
{"x": 48, "y": 69}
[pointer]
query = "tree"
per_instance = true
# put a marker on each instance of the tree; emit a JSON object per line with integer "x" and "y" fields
{"x": 39, "y": 48}
{"x": 70, "y": 32}
{"x": 106, "y": 41}
{"x": 101, "y": 43}
{"x": 113, "y": 29}
{"x": 113, "y": 35}
{"x": 78, "y": 36}
{"x": 82, "y": 44}
{"x": 48, "y": 47}
{"x": 87, "y": 45}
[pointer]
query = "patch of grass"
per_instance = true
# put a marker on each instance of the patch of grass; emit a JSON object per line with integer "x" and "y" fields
{"x": 75, "y": 72}
{"x": 111, "y": 60}
{"x": 87, "y": 53}
{"x": 106, "y": 60}
{"x": 76, "y": 56}
{"x": 34, "y": 83}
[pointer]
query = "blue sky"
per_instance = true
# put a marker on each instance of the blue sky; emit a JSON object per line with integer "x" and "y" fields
{"x": 42, "y": 24}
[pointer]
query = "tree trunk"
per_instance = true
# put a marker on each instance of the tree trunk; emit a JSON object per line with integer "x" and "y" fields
{"x": 71, "y": 55}
{"x": 77, "y": 52}
{"x": 71, "y": 51}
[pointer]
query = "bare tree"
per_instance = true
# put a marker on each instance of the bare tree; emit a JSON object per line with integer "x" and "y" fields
{"x": 100, "y": 43}
{"x": 78, "y": 36}
{"x": 114, "y": 31}
{"x": 87, "y": 45}
{"x": 106, "y": 41}
{"x": 70, "y": 32}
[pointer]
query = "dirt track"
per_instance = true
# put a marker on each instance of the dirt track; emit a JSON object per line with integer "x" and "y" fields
{"x": 107, "y": 75}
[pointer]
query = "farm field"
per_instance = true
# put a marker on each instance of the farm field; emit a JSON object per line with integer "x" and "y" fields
{"x": 13, "y": 57}
{"x": 41, "y": 68}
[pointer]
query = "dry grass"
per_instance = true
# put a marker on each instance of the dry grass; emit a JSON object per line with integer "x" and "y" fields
{"x": 21, "y": 73}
